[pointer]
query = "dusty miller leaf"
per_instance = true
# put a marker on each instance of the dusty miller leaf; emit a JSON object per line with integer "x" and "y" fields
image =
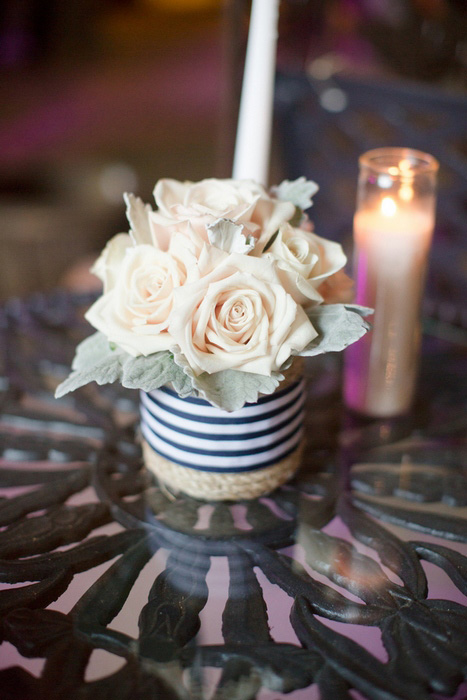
{"x": 107, "y": 373}
{"x": 95, "y": 361}
{"x": 230, "y": 389}
{"x": 156, "y": 370}
{"x": 299, "y": 192}
{"x": 149, "y": 372}
{"x": 338, "y": 326}
{"x": 92, "y": 351}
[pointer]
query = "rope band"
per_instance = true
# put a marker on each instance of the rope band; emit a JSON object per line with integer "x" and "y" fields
{"x": 221, "y": 487}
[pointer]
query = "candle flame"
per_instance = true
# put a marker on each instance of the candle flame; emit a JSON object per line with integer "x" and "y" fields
{"x": 406, "y": 193}
{"x": 388, "y": 206}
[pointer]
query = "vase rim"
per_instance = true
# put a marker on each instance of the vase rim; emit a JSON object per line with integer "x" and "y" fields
{"x": 399, "y": 161}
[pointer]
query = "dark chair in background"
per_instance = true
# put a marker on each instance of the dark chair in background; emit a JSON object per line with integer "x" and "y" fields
{"x": 323, "y": 127}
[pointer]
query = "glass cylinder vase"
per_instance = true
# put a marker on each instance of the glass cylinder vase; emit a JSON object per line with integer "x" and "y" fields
{"x": 393, "y": 227}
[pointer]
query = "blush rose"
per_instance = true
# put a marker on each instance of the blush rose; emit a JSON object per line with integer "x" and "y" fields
{"x": 202, "y": 203}
{"x": 305, "y": 261}
{"x": 240, "y": 317}
{"x": 139, "y": 282}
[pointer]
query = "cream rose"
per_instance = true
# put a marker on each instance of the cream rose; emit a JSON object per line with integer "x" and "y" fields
{"x": 202, "y": 203}
{"x": 139, "y": 282}
{"x": 108, "y": 263}
{"x": 304, "y": 260}
{"x": 238, "y": 316}
{"x": 146, "y": 228}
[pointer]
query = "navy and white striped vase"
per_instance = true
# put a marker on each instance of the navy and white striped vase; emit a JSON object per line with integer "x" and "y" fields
{"x": 210, "y": 454}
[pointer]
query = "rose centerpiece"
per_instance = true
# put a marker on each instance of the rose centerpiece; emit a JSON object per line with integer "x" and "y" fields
{"x": 208, "y": 304}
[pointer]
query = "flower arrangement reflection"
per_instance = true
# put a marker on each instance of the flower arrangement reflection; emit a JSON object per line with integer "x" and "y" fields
{"x": 216, "y": 291}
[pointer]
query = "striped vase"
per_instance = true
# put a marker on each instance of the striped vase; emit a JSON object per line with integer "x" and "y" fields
{"x": 210, "y": 454}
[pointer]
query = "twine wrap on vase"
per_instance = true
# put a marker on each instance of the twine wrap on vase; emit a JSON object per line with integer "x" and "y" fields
{"x": 210, "y": 454}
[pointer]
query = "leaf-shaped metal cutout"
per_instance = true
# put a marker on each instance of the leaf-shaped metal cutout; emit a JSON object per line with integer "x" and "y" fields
{"x": 421, "y": 654}
{"x": 450, "y": 527}
{"x": 345, "y": 566}
{"x": 35, "y": 633}
{"x": 43, "y": 497}
{"x": 28, "y": 477}
{"x": 245, "y": 618}
{"x": 393, "y": 552}
{"x": 453, "y": 563}
{"x": 35, "y": 595}
{"x": 86, "y": 555}
{"x": 357, "y": 666}
{"x": 61, "y": 525}
{"x": 104, "y": 599}
{"x": 419, "y": 483}
{"x": 292, "y": 578}
{"x": 170, "y": 618}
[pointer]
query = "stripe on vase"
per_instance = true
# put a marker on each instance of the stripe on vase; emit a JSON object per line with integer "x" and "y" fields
{"x": 232, "y": 465}
{"x": 222, "y": 448}
{"x": 223, "y": 431}
{"x": 177, "y": 432}
{"x": 210, "y": 414}
{"x": 202, "y": 437}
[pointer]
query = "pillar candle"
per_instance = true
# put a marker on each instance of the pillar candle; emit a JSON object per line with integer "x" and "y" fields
{"x": 393, "y": 227}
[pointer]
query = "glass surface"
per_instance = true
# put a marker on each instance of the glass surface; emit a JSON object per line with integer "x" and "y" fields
{"x": 349, "y": 579}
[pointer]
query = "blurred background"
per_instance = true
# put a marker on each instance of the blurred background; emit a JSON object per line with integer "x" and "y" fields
{"x": 103, "y": 96}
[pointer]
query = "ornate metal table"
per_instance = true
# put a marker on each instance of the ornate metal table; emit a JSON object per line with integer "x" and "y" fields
{"x": 348, "y": 582}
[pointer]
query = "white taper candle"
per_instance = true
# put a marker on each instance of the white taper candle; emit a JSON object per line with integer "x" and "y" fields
{"x": 251, "y": 160}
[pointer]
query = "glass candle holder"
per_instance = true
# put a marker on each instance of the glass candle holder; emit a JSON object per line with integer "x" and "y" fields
{"x": 393, "y": 227}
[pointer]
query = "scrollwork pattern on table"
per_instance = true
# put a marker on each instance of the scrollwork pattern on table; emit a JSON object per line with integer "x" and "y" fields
{"x": 330, "y": 541}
